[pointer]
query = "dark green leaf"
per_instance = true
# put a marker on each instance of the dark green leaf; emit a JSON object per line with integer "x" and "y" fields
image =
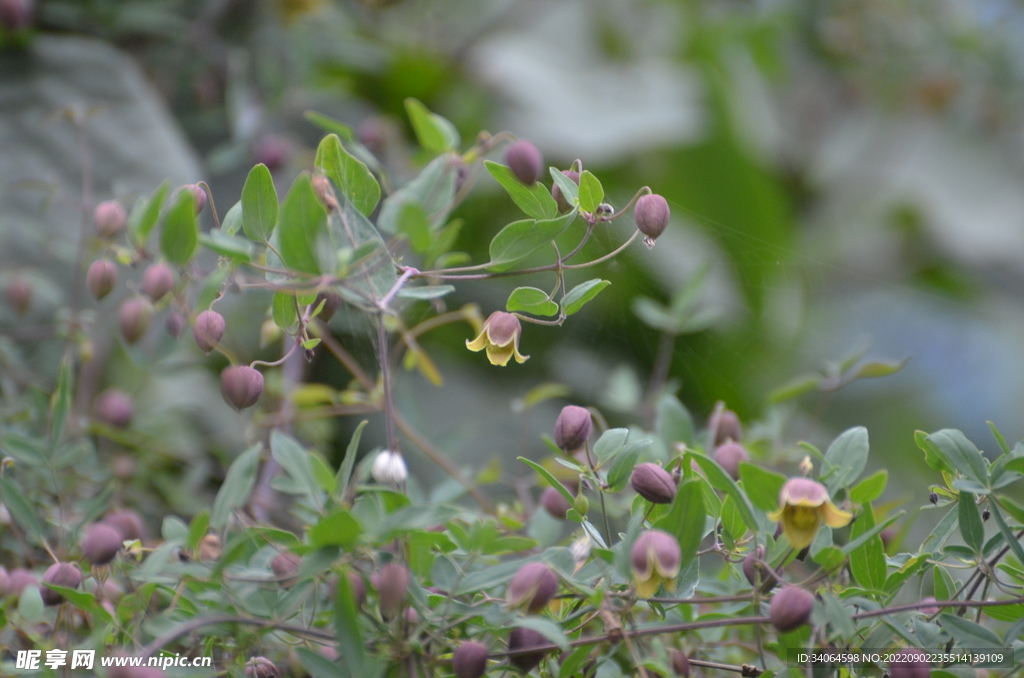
{"x": 574, "y": 300}
{"x": 732, "y": 521}
{"x": 238, "y": 483}
{"x": 283, "y": 309}
{"x": 348, "y": 173}
{"x": 197, "y": 529}
{"x": 871, "y": 488}
{"x": 591, "y": 192}
{"x": 762, "y": 486}
{"x": 346, "y": 626}
{"x": 146, "y": 212}
{"x": 1008, "y": 534}
{"x": 337, "y": 529}
{"x": 971, "y": 527}
{"x": 869, "y": 534}
{"x": 531, "y": 300}
{"x": 622, "y": 467}
{"x": 351, "y": 452}
{"x": 259, "y": 204}
{"x": 180, "y": 234}
{"x": 520, "y": 239}
{"x": 535, "y": 200}
{"x": 867, "y": 561}
{"x": 301, "y": 234}
{"x": 322, "y": 472}
{"x": 434, "y": 132}
{"x": 960, "y": 454}
{"x": 722, "y": 481}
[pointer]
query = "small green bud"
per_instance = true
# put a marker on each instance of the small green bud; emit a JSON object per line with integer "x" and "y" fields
{"x": 582, "y": 504}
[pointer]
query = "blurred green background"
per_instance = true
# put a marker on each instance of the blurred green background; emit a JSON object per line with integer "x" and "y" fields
{"x": 845, "y": 180}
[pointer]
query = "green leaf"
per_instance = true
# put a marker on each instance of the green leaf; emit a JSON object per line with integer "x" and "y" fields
{"x": 180, "y": 234}
{"x": 351, "y": 452}
{"x": 322, "y": 473}
{"x": 232, "y": 221}
{"x": 722, "y": 481}
{"x": 61, "y": 403}
{"x": 847, "y": 456}
{"x": 797, "y": 386}
{"x": 762, "y": 486}
{"x": 969, "y": 634}
{"x": 197, "y": 529}
{"x": 960, "y": 453}
{"x": 283, "y": 309}
{"x": 547, "y": 628}
{"x": 550, "y": 479}
{"x": 346, "y": 627}
{"x": 610, "y": 443}
{"x": 582, "y": 293}
{"x": 413, "y": 224}
{"x": 673, "y": 422}
{"x": 173, "y": 528}
{"x": 434, "y": 132}
{"x": 871, "y": 488}
{"x": 426, "y": 292}
{"x": 535, "y": 200}
{"x": 971, "y": 527}
{"x": 294, "y": 459}
{"x": 531, "y": 300}
{"x": 731, "y": 519}
{"x": 869, "y": 534}
{"x": 146, "y": 213}
{"x": 570, "y": 189}
{"x": 83, "y": 601}
{"x": 880, "y": 368}
{"x": 687, "y": 511}
{"x": 23, "y": 513}
{"x": 226, "y": 245}
{"x": 330, "y": 125}
{"x": 622, "y": 467}
{"x": 999, "y": 438}
{"x": 591, "y": 192}
{"x": 238, "y": 483}
{"x": 867, "y": 561}
{"x": 1008, "y": 534}
{"x": 30, "y": 605}
{"x": 337, "y": 529}
{"x": 349, "y": 174}
{"x": 259, "y": 203}
{"x": 318, "y": 665}
{"x": 433, "y": 190}
{"x": 302, "y": 231}
{"x": 520, "y": 239}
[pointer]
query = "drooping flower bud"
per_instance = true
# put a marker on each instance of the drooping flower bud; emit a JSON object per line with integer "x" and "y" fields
{"x": 525, "y": 161}
{"x": 500, "y": 337}
{"x": 554, "y": 503}
{"x": 157, "y": 281}
{"x": 127, "y": 522}
{"x": 653, "y": 483}
{"x": 572, "y": 428}
{"x": 929, "y": 610}
{"x": 285, "y": 566}
{"x": 656, "y": 558}
{"x": 680, "y": 663}
{"x": 114, "y": 408}
{"x": 391, "y": 582}
{"x": 331, "y": 301}
{"x": 532, "y": 588}
{"x": 133, "y": 318}
{"x": 60, "y": 574}
{"x": 18, "y": 579}
{"x": 729, "y": 456}
{"x": 101, "y": 278}
{"x": 19, "y": 294}
{"x": 198, "y": 196}
{"x": 652, "y": 214}
{"x": 753, "y": 568}
{"x": 910, "y": 664}
{"x": 725, "y": 426}
{"x": 556, "y": 192}
{"x": 389, "y": 468}
{"x": 101, "y": 543}
{"x": 260, "y": 667}
{"x": 791, "y": 608}
{"x": 208, "y": 330}
{"x": 522, "y": 639}
{"x": 174, "y": 324}
{"x": 241, "y": 386}
{"x": 804, "y": 505}
{"x": 470, "y": 660}
{"x": 109, "y": 218}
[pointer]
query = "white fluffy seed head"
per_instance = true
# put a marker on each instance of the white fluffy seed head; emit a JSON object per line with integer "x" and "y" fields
{"x": 389, "y": 468}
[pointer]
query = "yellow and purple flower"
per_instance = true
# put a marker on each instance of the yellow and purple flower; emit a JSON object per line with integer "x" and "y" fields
{"x": 803, "y": 505}
{"x": 500, "y": 336}
{"x": 656, "y": 558}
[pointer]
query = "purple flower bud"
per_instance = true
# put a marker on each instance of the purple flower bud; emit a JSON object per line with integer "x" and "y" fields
{"x": 285, "y": 566}
{"x": 101, "y": 543}
{"x": 5, "y": 582}
{"x": 729, "y": 456}
{"x": 101, "y": 278}
{"x": 208, "y": 330}
{"x": 533, "y": 587}
{"x": 18, "y": 579}
{"x": 241, "y": 386}
{"x": 273, "y": 151}
{"x": 753, "y": 569}
{"x": 525, "y": 161}
{"x": 133, "y": 318}
{"x": 109, "y": 218}
{"x": 391, "y": 582}
{"x": 16, "y": 15}
{"x": 653, "y": 483}
{"x": 174, "y": 324}
{"x": 114, "y": 408}
{"x": 470, "y": 660}
{"x": 929, "y": 610}
{"x": 198, "y": 196}
{"x": 651, "y": 213}
{"x": 358, "y": 587}
{"x": 19, "y": 294}
{"x": 725, "y": 426}
{"x": 791, "y": 608}
{"x": 260, "y": 667}
{"x": 554, "y": 503}
{"x": 572, "y": 428}
{"x": 680, "y": 663}
{"x": 332, "y": 301}
{"x": 157, "y": 281}
{"x": 556, "y": 192}
{"x": 60, "y": 574}
{"x": 656, "y": 558}
{"x": 522, "y": 639}
{"x": 127, "y": 522}
{"x": 910, "y": 664}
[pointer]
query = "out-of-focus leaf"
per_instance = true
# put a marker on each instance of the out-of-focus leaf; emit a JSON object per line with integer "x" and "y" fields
{"x": 330, "y": 125}
{"x": 232, "y": 221}
{"x": 294, "y": 459}
{"x": 21, "y": 511}
{"x": 434, "y": 132}
{"x": 179, "y": 233}
{"x": 146, "y": 213}
{"x": 61, "y": 404}
{"x": 425, "y": 293}
{"x": 797, "y": 386}
{"x": 550, "y": 479}
{"x": 433, "y": 190}
{"x": 259, "y": 204}
{"x": 337, "y": 529}
{"x": 351, "y": 452}
{"x": 879, "y": 368}
{"x": 970, "y": 634}
{"x": 238, "y": 483}
{"x": 673, "y": 421}
{"x": 1008, "y": 534}
{"x": 226, "y": 245}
